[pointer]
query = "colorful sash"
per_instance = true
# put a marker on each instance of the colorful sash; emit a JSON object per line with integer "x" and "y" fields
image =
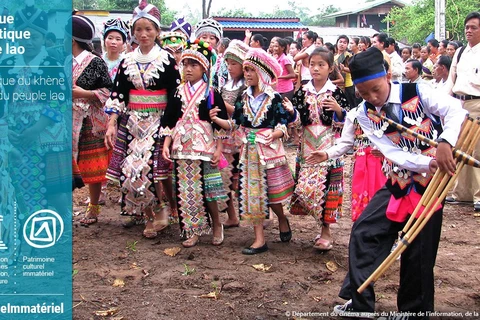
{"x": 147, "y": 100}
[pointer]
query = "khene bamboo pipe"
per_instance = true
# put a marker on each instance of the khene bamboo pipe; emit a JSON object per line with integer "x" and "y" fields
{"x": 467, "y": 140}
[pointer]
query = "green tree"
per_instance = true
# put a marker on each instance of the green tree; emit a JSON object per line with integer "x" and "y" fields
{"x": 320, "y": 20}
{"x": 415, "y": 22}
{"x": 226, "y": 12}
{"x": 85, "y": 5}
{"x": 167, "y": 15}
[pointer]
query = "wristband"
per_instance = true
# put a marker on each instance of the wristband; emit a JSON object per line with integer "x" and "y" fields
{"x": 442, "y": 140}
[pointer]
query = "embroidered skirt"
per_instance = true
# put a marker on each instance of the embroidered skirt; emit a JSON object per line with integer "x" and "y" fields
{"x": 319, "y": 192}
{"x": 135, "y": 163}
{"x": 92, "y": 154}
{"x": 260, "y": 187}
{"x": 196, "y": 182}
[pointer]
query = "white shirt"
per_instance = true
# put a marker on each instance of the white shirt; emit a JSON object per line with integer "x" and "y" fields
{"x": 434, "y": 102}
{"x": 345, "y": 143}
{"x": 396, "y": 66}
{"x": 255, "y": 102}
{"x": 438, "y": 85}
{"x": 418, "y": 80}
{"x": 464, "y": 77}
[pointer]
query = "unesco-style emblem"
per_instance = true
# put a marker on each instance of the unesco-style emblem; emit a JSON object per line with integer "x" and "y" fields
{"x": 43, "y": 229}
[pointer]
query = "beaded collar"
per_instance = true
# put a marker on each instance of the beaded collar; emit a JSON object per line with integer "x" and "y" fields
{"x": 144, "y": 69}
{"x": 139, "y": 57}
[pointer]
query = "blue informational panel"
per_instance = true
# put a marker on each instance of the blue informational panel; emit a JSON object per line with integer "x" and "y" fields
{"x": 35, "y": 160}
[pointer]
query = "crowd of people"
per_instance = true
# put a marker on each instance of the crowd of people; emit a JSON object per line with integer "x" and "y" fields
{"x": 183, "y": 121}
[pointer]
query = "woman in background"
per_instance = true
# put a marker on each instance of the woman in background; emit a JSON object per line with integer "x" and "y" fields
{"x": 91, "y": 88}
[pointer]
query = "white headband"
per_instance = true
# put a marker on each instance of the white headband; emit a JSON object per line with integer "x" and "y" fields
{"x": 144, "y": 14}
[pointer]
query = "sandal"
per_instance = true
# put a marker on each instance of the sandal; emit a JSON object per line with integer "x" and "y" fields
{"x": 91, "y": 215}
{"x": 160, "y": 224}
{"x": 192, "y": 242}
{"x": 229, "y": 226}
{"x": 323, "y": 244}
{"x": 149, "y": 233}
{"x": 216, "y": 241}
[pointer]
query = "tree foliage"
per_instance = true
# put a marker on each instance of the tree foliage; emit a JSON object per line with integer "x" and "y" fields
{"x": 167, "y": 16}
{"x": 415, "y": 22}
{"x": 308, "y": 16}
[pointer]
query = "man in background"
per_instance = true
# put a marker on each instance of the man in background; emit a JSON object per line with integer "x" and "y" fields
{"x": 464, "y": 84}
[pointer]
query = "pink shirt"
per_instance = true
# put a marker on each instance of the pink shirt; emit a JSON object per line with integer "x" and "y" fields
{"x": 284, "y": 85}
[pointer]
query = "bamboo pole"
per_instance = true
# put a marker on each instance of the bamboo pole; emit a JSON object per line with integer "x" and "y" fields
{"x": 468, "y": 138}
{"x": 439, "y": 175}
{"x": 463, "y": 134}
{"x": 424, "y": 218}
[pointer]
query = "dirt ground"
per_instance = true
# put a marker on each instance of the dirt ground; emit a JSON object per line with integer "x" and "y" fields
{"x": 120, "y": 273}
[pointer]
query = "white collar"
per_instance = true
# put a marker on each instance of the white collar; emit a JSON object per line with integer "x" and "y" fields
{"x": 194, "y": 88}
{"x": 394, "y": 96}
{"x": 419, "y": 79}
{"x": 395, "y": 93}
{"x": 328, "y": 86}
{"x": 474, "y": 48}
{"x": 82, "y": 56}
{"x": 268, "y": 91}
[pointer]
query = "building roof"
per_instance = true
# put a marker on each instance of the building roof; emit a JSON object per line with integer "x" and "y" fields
{"x": 254, "y": 23}
{"x": 364, "y": 7}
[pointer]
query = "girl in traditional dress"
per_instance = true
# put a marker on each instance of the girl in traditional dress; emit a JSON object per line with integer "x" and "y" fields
{"x": 36, "y": 127}
{"x": 231, "y": 91}
{"x": 91, "y": 88}
{"x": 115, "y": 35}
{"x": 144, "y": 86}
{"x": 211, "y": 32}
{"x": 174, "y": 42}
{"x": 318, "y": 189}
{"x": 368, "y": 176}
{"x": 181, "y": 26}
{"x": 196, "y": 146}
{"x": 265, "y": 178}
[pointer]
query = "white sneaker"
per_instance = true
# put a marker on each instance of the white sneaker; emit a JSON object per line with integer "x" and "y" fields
{"x": 346, "y": 310}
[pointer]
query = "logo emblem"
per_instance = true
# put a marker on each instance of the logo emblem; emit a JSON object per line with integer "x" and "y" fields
{"x": 43, "y": 229}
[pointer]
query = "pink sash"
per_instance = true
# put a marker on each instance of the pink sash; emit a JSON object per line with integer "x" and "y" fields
{"x": 399, "y": 209}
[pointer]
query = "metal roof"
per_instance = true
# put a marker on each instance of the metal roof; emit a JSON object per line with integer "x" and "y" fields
{"x": 235, "y": 23}
{"x": 366, "y": 6}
